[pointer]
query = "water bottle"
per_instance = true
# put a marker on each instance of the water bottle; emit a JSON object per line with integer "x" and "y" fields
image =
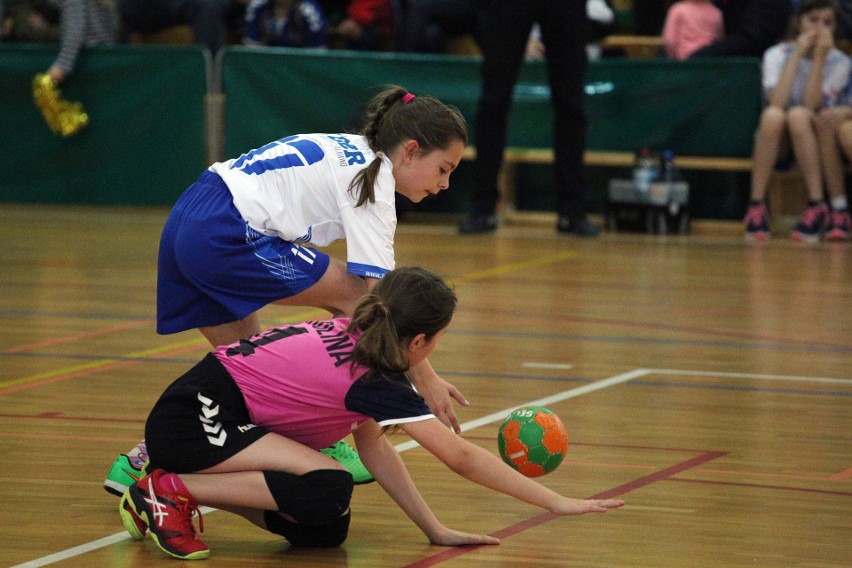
{"x": 667, "y": 173}
{"x": 644, "y": 171}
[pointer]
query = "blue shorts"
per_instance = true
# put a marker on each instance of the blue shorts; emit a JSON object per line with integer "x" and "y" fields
{"x": 213, "y": 268}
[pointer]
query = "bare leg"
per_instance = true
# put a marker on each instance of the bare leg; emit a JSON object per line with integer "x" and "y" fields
{"x": 767, "y": 146}
{"x": 804, "y": 140}
{"x": 337, "y": 291}
{"x": 827, "y": 129}
{"x": 845, "y": 135}
{"x": 233, "y": 331}
{"x": 239, "y": 480}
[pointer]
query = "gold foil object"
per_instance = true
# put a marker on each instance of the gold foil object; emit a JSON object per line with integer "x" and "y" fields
{"x": 63, "y": 117}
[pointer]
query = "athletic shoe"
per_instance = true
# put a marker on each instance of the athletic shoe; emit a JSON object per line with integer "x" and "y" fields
{"x": 346, "y": 456}
{"x": 132, "y": 522}
{"x": 168, "y": 515}
{"x": 812, "y": 224}
{"x": 125, "y": 471}
{"x": 839, "y": 225}
{"x": 478, "y": 223}
{"x": 757, "y": 222}
{"x": 577, "y": 227}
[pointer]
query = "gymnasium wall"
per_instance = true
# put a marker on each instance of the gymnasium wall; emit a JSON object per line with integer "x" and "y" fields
{"x": 148, "y": 138}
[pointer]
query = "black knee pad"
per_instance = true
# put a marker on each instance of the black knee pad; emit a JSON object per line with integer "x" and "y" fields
{"x": 316, "y": 498}
{"x": 315, "y": 536}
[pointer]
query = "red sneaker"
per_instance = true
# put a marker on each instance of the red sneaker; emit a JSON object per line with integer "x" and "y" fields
{"x": 132, "y": 522}
{"x": 168, "y": 515}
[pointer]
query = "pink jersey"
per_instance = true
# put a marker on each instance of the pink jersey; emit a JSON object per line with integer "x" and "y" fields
{"x": 297, "y": 381}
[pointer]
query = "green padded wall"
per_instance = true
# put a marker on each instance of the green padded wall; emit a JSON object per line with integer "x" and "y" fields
{"x": 146, "y": 139}
{"x": 706, "y": 108}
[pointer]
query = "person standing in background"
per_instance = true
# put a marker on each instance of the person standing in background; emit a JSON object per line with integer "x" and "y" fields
{"x": 505, "y": 27}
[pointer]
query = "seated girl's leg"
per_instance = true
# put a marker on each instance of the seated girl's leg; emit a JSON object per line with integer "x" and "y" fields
{"x": 804, "y": 141}
{"x": 767, "y": 147}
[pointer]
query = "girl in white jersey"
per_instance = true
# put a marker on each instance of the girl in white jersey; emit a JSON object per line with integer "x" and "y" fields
{"x": 799, "y": 78}
{"x": 237, "y": 239}
{"x": 239, "y": 431}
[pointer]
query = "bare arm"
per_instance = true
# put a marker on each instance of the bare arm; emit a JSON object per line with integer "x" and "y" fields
{"x": 384, "y": 462}
{"x": 813, "y": 92}
{"x": 438, "y": 393}
{"x": 779, "y": 96}
{"x": 480, "y": 466}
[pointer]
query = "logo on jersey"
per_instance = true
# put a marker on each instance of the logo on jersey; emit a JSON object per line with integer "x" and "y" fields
{"x": 216, "y": 434}
{"x": 347, "y": 153}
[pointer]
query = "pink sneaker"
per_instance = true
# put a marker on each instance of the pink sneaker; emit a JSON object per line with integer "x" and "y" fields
{"x": 839, "y": 225}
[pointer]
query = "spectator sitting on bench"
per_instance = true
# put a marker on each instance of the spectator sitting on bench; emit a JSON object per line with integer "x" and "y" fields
{"x": 799, "y": 78}
{"x": 285, "y": 23}
{"x": 834, "y": 131}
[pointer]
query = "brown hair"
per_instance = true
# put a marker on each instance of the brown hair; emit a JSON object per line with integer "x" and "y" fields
{"x": 391, "y": 119}
{"x": 405, "y": 303}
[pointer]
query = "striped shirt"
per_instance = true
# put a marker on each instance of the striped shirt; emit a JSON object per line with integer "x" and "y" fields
{"x": 84, "y": 23}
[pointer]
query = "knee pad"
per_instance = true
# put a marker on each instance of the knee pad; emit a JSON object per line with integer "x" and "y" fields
{"x": 316, "y": 498}
{"x": 315, "y": 536}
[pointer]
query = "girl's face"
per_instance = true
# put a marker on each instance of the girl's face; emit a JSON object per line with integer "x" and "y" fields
{"x": 419, "y": 175}
{"x": 816, "y": 21}
{"x": 419, "y": 348}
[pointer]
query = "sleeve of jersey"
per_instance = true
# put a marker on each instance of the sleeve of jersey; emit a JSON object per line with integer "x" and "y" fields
{"x": 369, "y": 239}
{"x": 388, "y": 401}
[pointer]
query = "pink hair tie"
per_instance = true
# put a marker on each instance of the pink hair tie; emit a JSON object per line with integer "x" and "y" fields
{"x": 407, "y": 98}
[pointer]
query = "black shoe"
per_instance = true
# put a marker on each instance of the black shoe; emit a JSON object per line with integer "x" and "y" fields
{"x": 478, "y": 223}
{"x": 578, "y": 227}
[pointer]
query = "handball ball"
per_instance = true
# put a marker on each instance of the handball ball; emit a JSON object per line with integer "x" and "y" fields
{"x": 532, "y": 440}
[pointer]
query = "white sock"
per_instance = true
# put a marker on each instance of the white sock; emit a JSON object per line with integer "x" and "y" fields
{"x": 839, "y": 203}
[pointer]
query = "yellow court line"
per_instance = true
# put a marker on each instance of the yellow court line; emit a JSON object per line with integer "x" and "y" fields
{"x": 515, "y": 266}
{"x": 301, "y": 316}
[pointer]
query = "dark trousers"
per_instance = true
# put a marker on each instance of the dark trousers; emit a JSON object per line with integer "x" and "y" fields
{"x": 505, "y": 26}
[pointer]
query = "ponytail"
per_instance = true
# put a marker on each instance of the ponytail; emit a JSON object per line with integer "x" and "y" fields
{"x": 405, "y": 303}
{"x": 395, "y": 116}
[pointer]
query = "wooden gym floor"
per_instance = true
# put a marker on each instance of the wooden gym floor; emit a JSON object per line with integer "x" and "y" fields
{"x": 703, "y": 379}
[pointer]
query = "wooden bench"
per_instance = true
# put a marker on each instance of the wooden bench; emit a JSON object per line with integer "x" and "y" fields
{"x": 786, "y": 193}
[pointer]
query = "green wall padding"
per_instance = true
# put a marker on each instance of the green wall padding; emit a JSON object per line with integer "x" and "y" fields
{"x": 146, "y": 139}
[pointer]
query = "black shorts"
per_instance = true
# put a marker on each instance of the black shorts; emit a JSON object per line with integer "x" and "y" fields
{"x": 199, "y": 421}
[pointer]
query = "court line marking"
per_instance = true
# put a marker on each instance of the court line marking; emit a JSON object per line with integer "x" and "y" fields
{"x": 759, "y": 377}
{"x": 493, "y": 417}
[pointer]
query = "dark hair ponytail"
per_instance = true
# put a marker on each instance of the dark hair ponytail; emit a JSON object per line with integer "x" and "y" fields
{"x": 392, "y": 118}
{"x": 405, "y": 303}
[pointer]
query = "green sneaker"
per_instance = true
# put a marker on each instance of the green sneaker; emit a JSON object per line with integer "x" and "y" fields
{"x": 345, "y": 455}
{"x": 124, "y": 472}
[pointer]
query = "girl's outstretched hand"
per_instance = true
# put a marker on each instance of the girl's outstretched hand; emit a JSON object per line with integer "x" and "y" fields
{"x": 582, "y": 506}
{"x": 449, "y": 537}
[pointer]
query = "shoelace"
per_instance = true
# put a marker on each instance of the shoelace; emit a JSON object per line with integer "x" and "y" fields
{"x": 186, "y": 510}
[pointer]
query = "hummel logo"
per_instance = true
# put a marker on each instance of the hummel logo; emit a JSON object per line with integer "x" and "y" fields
{"x": 217, "y": 433}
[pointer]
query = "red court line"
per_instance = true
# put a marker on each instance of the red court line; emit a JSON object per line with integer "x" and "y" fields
{"x": 76, "y": 336}
{"x": 661, "y": 475}
{"x": 94, "y": 370}
{"x": 60, "y": 416}
{"x": 847, "y": 474}
{"x": 763, "y": 486}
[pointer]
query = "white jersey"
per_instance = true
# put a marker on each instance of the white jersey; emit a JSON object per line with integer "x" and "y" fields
{"x": 297, "y": 189}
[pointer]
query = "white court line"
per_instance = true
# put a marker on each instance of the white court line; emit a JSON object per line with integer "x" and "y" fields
{"x": 750, "y": 376}
{"x": 538, "y": 365}
{"x": 500, "y": 415}
{"x": 558, "y": 397}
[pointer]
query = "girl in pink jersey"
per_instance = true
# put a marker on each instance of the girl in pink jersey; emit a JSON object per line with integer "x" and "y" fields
{"x": 239, "y": 431}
